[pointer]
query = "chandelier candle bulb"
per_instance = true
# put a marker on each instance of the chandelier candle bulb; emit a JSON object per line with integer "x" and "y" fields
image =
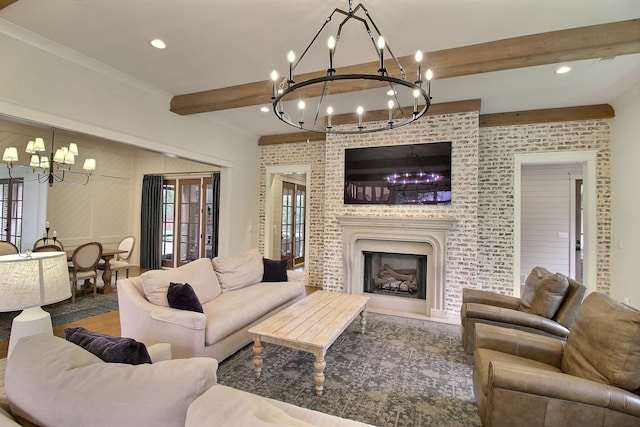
{"x": 429, "y": 76}
{"x": 274, "y": 77}
{"x": 390, "y": 104}
{"x": 360, "y": 110}
{"x": 301, "y": 107}
{"x": 332, "y": 44}
{"x": 419, "y": 61}
{"x": 291, "y": 57}
{"x": 382, "y": 71}
{"x": 416, "y": 94}
{"x": 329, "y": 113}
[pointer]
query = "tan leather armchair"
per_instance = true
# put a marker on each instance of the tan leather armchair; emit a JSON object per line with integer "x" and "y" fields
{"x": 592, "y": 379}
{"x": 548, "y": 307}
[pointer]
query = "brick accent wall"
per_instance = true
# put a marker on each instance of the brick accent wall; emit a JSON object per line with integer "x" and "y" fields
{"x": 495, "y": 210}
{"x": 313, "y": 154}
{"x": 480, "y": 245}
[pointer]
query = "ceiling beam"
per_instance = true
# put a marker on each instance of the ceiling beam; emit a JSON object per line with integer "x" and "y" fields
{"x": 5, "y": 3}
{"x": 596, "y": 41}
{"x": 550, "y": 115}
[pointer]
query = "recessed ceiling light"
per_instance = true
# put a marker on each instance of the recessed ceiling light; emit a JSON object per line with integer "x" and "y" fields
{"x": 564, "y": 69}
{"x": 158, "y": 44}
{"x": 264, "y": 109}
{"x": 391, "y": 92}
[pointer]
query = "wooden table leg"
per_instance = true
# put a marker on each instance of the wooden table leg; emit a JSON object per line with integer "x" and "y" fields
{"x": 257, "y": 356}
{"x": 106, "y": 274}
{"x": 363, "y": 320}
{"x": 318, "y": 367}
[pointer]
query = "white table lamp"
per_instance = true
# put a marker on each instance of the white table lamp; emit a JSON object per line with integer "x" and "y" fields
{"x": 29, "y": 282}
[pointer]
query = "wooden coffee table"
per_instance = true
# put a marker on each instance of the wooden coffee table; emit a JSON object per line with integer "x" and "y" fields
{"x": 311, "y": 325}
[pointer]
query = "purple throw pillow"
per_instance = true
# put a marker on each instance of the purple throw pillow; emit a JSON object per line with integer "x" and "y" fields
{"x": 109, "y": 348}
{"x": 183, "y": 297}
{"x": 274, "y": 270}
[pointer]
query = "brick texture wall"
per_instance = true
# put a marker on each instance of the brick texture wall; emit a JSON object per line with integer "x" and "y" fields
{"x": 480, "y": 245}
{"x": 496, "y": 171}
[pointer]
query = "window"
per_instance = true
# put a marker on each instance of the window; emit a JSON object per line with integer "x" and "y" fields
{"x": 187, "y": 226}
{"x": 11, "y": 198}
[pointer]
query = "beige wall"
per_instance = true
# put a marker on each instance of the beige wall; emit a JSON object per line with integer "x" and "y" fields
{"x": 108, "y": 207}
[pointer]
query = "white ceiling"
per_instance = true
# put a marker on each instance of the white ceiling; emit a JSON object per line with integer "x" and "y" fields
{"x": 215, "y": 43}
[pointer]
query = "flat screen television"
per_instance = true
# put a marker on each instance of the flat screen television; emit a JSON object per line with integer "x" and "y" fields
{"x": 416, "y": 174}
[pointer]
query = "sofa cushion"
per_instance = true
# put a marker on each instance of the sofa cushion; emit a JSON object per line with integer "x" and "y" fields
{"x": 233, "y": 311}
{"x": 109, "y": 348}
{"x": 182, "y": 297}
{"x": 53, "y": 382}
{"x": 603, "y": 344}
{"x": 275, "y": 270}
{"x": 543, "y": 292}
{"x": 199, "y": 274}
{"x": 235, "y": 272}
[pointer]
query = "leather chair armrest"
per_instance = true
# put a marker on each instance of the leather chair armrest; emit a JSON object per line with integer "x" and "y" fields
{"x": 490, "y": 298}
{"x": 516, "y": 318}
{"x": 519, "y": 343}
{"x": 557, "y": 385}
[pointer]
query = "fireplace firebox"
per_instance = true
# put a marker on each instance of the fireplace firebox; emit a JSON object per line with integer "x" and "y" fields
{"x": 393, "y": 274}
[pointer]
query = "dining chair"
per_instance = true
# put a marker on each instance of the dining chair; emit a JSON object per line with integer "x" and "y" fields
{"x": 8, "y": 248}
{"x": 48, "y": 248}
{"x": 85, "y": 267}
{"x": 50, "y": 242}
{"x": 121, "y": 261}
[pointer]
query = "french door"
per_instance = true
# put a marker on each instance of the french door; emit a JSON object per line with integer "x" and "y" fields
{"x": 187, "y": 226}
{"x": 292, "y": 223}
{"x": 11, "y": 202}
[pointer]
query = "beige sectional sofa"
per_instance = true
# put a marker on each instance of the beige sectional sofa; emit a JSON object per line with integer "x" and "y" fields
{"x": 232, "y": 295}
{"x": 52, "y": 382}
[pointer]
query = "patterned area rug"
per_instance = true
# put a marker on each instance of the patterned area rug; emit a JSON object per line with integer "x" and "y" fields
{"x": 402, "y": 372}
{"x": 65, "y": 312}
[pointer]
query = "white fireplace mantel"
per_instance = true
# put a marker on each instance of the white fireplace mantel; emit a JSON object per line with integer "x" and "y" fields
{"x": 432, "y": 232}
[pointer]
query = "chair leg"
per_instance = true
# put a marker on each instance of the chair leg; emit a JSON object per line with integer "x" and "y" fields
{"x": 74, "y": 284}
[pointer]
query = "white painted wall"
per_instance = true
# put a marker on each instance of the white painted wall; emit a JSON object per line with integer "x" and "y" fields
{"x": 625, "y": 204}
{"x": 46, "y": 83}
{"x": 546, "y": 216}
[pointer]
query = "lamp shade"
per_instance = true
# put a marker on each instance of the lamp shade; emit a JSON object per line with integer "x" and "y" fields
{"x": 33, "y": 281}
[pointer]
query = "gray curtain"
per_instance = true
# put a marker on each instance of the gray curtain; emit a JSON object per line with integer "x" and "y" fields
{"x": 215, "y": 186}
{"x": 151, "y": 221}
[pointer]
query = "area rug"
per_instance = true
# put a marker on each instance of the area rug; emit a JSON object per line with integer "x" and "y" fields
{"x": 64, "y": 312}
{"x": 401, "y": 372}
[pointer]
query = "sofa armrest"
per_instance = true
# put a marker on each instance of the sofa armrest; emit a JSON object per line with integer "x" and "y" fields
{"x": 519, "y": 343}
{"x": 514, "y": 317}
{"x": 184, "y": 318}
{"x": 557, "y": 385}
{"x": 159, "y": 352}
{"x": 490, "y": 298}
{"x": 296, "y": 276}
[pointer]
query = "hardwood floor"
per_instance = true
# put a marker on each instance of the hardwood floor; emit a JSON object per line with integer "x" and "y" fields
{"x": 107, "y": 323}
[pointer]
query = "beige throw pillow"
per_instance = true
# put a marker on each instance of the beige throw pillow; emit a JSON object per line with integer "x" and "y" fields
{"x": 543, "y": 292}
{"x": 235, "y": 272}
{"x": 199, "y": 274}
{"x": 604, "y": 343}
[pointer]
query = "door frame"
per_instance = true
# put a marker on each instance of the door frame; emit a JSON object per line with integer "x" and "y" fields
{"x": 271, "y": 172}
{"x": 588, "y": 161}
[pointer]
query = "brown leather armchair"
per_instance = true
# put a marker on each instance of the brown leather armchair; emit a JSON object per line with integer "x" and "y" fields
{"x": 548, "y": 307}
{"x": 592, "y": 379}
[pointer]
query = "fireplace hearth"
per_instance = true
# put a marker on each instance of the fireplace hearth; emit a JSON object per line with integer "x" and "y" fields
{"x": 404, "y": 236}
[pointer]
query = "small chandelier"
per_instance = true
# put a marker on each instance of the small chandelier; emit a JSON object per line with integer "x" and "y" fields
{"x": 59, "y": 169}
{"x": 406, "y": 101}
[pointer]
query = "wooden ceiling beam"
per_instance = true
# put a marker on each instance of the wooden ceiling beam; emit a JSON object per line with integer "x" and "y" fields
{"x": 5, "y": 3}
{"x": 596, "y": 41}
{"x": 550, "y": 115}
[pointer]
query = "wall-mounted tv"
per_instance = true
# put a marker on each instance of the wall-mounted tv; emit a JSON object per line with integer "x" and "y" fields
{"x": 416, "y": 174}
